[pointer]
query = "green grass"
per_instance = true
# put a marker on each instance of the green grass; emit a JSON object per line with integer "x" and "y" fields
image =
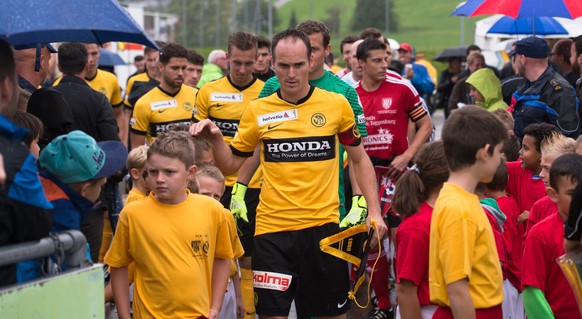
{"x": 423, "y": 23}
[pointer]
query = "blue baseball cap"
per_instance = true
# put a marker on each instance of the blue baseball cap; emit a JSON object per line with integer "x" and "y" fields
{"x": 77, "y": 157}
{"x": 34, "y": 45}
{"x": 532, "y": 47}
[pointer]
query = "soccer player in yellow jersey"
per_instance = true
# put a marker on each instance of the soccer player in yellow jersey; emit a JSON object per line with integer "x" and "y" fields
{"x": 223, "y": 101}
{"x": 298, "y": 129}
{"x": 170, "y": 103}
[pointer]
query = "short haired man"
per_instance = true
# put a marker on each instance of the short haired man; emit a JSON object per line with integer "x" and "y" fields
{"x": 32, "y": 71}
{"x": 355, "y": 75}
{"x": 319, "y": 38}
{"x": 545, "y": 96}
{"x": 263, "y": 70}
{"x": 223, "y": 101}
{"x": 560, "y": 59}
{"x": 576, "y": 60}
{"x": 92, "y": 112}
{"x": 295, "y": 212}
{"x": 170, "y": 103}
{"x": 136, "y": 83}
{"x": 106, "y": 83}
{"x": 346, "y": 47}
{"x": 216, "y": 67}
{"x": 460, "y": 94}
{"x": 389, "y": 104}
{"x": 193, "y": 71}
{"x": 371, "y": 33}
{"x": 139, "y": 63}
{"x": 24, "y": 209}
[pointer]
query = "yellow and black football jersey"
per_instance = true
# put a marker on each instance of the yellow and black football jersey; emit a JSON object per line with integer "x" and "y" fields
{"x": 157, "y": 111}
{"x": 223, "y": 103}
{"x": 299, "y": 157}
{"x": 106, "y": 83}
{"x": 141, "y": 77}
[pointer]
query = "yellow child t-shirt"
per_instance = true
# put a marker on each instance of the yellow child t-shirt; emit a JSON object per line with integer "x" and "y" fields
{"x": 173, "y": 247}
{"x": 462, "y": 246}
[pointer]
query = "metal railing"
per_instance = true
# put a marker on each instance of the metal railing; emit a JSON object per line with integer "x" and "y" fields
{"x": 70, "y": 248}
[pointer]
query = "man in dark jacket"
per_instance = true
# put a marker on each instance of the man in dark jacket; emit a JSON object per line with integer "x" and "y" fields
{"x": 545, "y": 96}
{"x": 92, "y": 112}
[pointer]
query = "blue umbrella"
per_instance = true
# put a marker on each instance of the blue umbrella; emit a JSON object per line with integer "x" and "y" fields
{"x": 93, "y": 21}
{"x": 108, "y": 58}
{"x": 537, "y": 26}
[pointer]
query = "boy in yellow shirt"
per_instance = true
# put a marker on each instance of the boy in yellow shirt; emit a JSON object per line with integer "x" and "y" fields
{"x": 211, "y": 184}
{"x": 178, "y": 241}
{"x": 465, "y": 277}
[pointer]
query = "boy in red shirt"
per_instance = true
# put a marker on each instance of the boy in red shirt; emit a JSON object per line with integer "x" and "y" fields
{"x": 552, "y": 147}
{"x": 512, "y": 301}
{"x": 547, "y": 293}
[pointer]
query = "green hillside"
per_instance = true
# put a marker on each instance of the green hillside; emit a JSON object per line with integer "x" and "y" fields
{"x": 424, "y": 23}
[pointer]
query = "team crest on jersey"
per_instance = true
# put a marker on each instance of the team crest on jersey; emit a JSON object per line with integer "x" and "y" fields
{"x": 187, "y": 106}
{"x": 386, "y": 102}
{"x": 226, "y": 97}
{"x": 318, "y": 120}
{"x": 132, "y": 121}
{"x": 280, "y": 116}
{"x": 102, "y": 90}
{"x": 200, "y": 248}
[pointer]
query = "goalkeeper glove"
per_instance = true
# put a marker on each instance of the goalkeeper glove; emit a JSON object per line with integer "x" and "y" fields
{"x": 237, "y": 202}
{"x": 358, "y": 213}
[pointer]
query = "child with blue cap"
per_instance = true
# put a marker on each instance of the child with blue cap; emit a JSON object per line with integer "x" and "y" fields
{"x": 73, "y": 169}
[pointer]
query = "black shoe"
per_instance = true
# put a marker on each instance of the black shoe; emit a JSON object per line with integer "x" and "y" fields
{"x": 381, "y": 314}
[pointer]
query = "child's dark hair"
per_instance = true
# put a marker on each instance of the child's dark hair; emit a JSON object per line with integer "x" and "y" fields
{"x": 500, "y": 177}
{"x": 416, "y": 184}
{"x": 511, "y": 148}
{"x": 539, "y": 131}
{"x": 466, "y": 131}
{"x": 30, "y": 122}
{"x": 175, "y": 144}
{"x": 568, "y": 165}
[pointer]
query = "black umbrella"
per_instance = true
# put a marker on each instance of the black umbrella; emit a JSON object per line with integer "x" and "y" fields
{"x": 456, "y": 52}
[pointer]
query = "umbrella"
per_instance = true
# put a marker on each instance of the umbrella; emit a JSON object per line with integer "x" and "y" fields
{"x": 108, "y": 58}
{"x": 90, "y": 21}
{"x": 456, "y": 52}
{"x": 570, "y": 9}
{"x": 537, "y": 26}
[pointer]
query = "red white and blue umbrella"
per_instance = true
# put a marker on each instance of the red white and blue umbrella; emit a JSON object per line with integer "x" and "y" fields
{"x": 537, "y": 26}
{"x": 570, "y": 9}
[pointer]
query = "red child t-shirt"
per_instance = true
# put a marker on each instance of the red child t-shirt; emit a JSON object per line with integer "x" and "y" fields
{"x": 543, "y": 208}
{"x": 525, "y": 188}
{"x": 412, "y": 244}
{"x": 510, "y": 270}
{"x": 545, "y": 243}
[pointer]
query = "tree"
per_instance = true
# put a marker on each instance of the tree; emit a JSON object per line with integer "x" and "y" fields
{"x": 253, "y": 16}
{"x": 333, "y": 21}
{"x": 208, "y": 22}
{"x": 372, "y": 14}
{"x": 293, "y": 19}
